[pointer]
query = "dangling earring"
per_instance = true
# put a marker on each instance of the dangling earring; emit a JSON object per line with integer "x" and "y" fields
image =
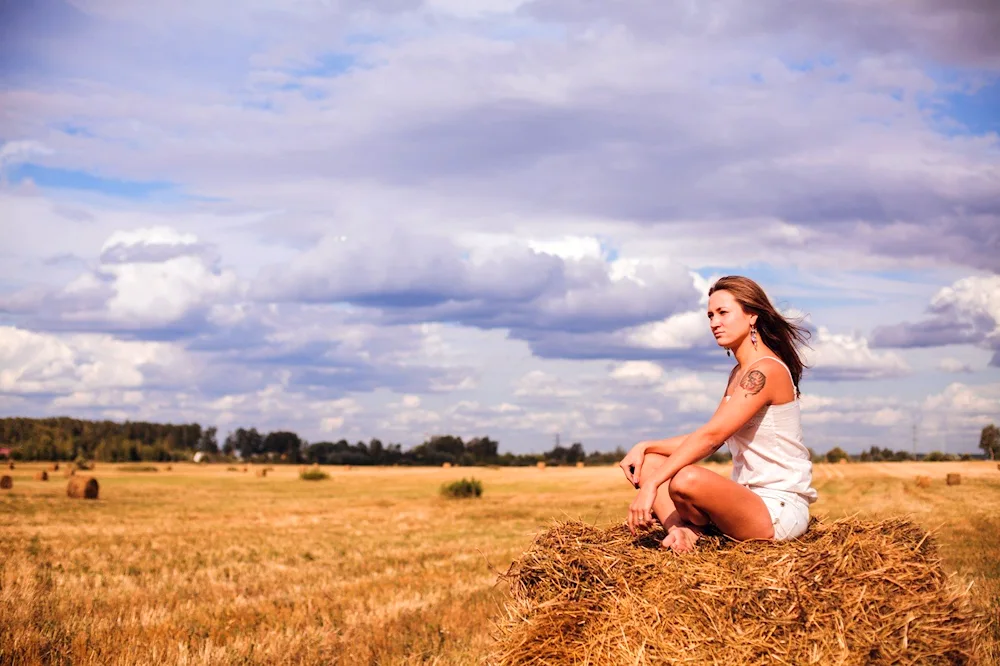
{"x": 753, "y": 335}
{"x": 728, "y": 353}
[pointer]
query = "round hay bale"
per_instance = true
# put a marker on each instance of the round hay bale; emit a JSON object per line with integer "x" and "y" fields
{"x": 10, "y": 465}
{"x": 41, "y": 475}
{"x": 579, "y": 463}
{"x": 54, "y": 467}
{"x": 842, "y": 461}
{"x": 261, "y": 473}
{"x": 849, "y": 592}
{"x": 540, "y": 464}
{"x": 169, "y": 467}
{"x": 82, "y": 487}
{"x": 924, "y": 481}
{"x": 953, "y": 479}
{"x": 6, "y": 482}
{"x": 446, "y": 465}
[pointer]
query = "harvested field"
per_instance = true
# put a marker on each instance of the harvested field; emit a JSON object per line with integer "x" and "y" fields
{"x": 203, "y": 566}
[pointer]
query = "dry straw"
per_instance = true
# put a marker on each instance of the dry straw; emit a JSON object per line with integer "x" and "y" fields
{"x": 924, "y": 481}
{"x": 6, "y": 482}
{"x": 41, "y": 475}
{"x": 850, "y": 592}
{"x": 953, "y": 479}
{"x": 82, "y": 487}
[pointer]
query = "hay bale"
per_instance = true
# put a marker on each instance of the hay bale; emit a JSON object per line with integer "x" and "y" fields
{"x": 842, "y": 461}
{"x": 261, "y": 473}
{"x": 540, "y": 464}
{"x": 41, "y": 475}
{"x": 850, "y": 592}
{"x": 953, "y": 479}
{"x": 169, "y": 467}
{"x": 10, "y": 465}
{"x": 446, "y": 465}
{"x": 82, "y": 487}
{"x": 54, "y": 467}
{"x": 924, "y": 481}
{"x": 6, "y": 482}
{"x": 70, "y": 471}
{"x": 579, "y": 463}
{"x": 245, "y": 468}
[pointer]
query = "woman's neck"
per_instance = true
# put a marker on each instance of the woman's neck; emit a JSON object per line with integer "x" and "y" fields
{"x": 746, "y": 354}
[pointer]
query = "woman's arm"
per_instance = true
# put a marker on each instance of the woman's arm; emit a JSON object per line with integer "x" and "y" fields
{"x": 748, "y": 398}
{"x": 665, "y": 447}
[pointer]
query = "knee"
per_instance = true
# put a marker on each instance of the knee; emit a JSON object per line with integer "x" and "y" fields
{"x": 685, "y": 483}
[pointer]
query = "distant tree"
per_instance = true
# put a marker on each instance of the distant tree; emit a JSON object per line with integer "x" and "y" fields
{"x": 208, "y": 442}
{"x": 836, "y": 454}
{"x": 989, "y": 441}
{"x": 283, "y": 444}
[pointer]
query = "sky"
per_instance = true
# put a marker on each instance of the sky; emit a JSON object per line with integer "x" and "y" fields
{"x": 403, "y": 218}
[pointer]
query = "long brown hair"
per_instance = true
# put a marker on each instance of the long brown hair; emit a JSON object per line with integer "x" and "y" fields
{"x": 778, "y": 333}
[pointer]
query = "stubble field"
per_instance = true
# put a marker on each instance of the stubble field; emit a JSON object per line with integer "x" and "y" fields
{"x": 199, "y": 565}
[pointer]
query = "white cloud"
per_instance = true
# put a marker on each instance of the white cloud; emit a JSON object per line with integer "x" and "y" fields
{"x": 848, "y": 356}
{"x": 80, "y": 364}
{"x": 14, "y": 152}
{"x": 953, "y": 365}
{"x": 637, "y": 373}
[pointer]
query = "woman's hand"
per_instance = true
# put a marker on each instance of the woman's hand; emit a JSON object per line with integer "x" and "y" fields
{"x": 640, "y": 513}
{"x": 631, "y": 464}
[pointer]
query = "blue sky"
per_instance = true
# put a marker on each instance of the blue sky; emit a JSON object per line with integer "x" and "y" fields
{"x": 399, "y": 219}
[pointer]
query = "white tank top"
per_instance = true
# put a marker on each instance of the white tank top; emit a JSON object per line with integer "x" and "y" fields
{"x": 768, "y": 451}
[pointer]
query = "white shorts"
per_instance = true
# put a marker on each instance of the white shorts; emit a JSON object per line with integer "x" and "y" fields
{"x": 789, "y": 512}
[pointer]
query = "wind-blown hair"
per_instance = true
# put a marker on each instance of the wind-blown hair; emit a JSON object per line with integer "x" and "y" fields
{"x": 777, "y": 332}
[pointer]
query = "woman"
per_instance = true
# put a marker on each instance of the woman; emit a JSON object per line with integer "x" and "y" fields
{"x": 769, "y": 494}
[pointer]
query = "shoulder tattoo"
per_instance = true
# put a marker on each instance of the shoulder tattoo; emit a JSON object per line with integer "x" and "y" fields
{"x": 753, "y": 383}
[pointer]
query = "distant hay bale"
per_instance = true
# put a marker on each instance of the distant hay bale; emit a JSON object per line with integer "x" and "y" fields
{"x": 245, "y": 468}
{"x": 54, "y": 467}
{"x": 261, "y": 473}
{"x": 924, "y": 481}
{"x": 6, "y": 482}
{"x": 169, "y": 468}
{"x": 842, "y": 461}
{"x": 70, "y": 471}
{"x": 540, "y": 464}
{"x": 953, "y": 479}
{"x": 41, "y": 475}
{"x": 446, "y": 465}
{"x": 579, "y": 463}
{"x": 82, "y": 487}
{"x": 849, "y": 592}
{"x": 10, "y": 465}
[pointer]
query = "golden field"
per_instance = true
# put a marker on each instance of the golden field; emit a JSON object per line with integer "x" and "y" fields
{"x": 200, "y": 565}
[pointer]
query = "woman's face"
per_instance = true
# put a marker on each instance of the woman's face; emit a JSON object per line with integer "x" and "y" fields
{"x": 727, "y": 320}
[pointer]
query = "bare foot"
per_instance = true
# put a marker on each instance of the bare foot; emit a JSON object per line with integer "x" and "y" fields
{"x": 681, "y": 538}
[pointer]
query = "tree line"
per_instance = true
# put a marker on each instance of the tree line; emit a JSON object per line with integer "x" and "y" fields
{"x": 69, "y": 439}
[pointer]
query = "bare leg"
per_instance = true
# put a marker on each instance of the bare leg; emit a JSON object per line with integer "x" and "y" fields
{"x": 681, "y": 535}
{"x": 701, "y": 497}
